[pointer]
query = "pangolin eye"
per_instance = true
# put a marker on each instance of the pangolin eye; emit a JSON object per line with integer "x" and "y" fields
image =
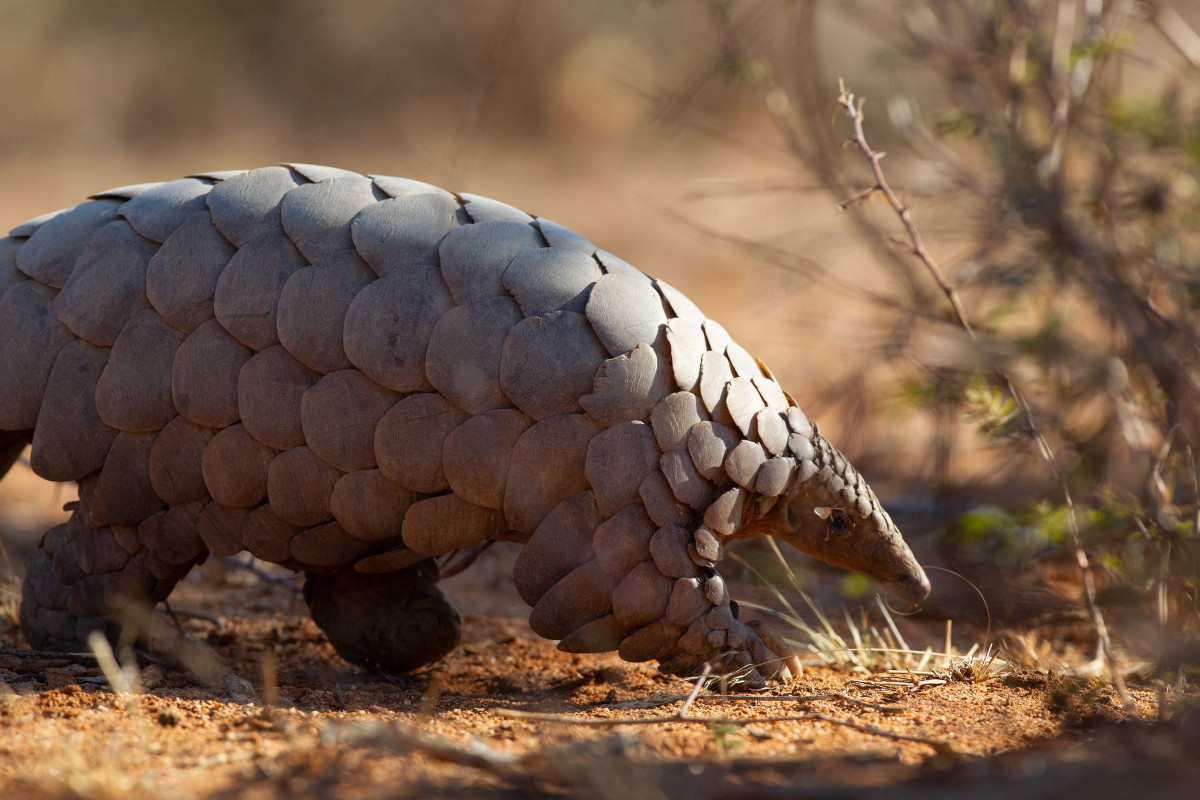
{"x": 839, "y": 521}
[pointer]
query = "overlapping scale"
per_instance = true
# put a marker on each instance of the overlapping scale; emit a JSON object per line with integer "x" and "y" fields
{"x": 562, "y": 542}
{"x": 581, "y": 596}
{"x": 485, "y": 209}
{"x": 339, "y": 415}
{"x": 547, "y": 466}
{"x": 681, "y": 307}
{"x": 29, "y": 227}
{"x": 317, "y": 216}
{"x": 389, "y": 323}
{"x": 688, "y": 486}
{"x": 204, "y": 375}
{"x": 744, "y": 461}
{"x": 686, "y": 340}
{"x": 172, "y": 538}
{"x": 744, "y": 402}
{"x": 673, "y": 418}
{"x": 445, "y": 523}
{"x": 369, "y": 506}
{"x": 618, "y": 460}
{"x": 123, "y": 493}
{"x": 715, "y": 377}
{"x": 618, "y": 266}
{"x": 49, "y": 254}
{"x": 465, "y": 350}
{"x": 477, "y": 454}
{"x": 30, "y": 340}
{"x": 312, "y": 309}
{"x": 625, "y": 312}
{"x": 641, "y": 596}
{"x": 403, "y": 232}
{"x": 409, "y": 440}
{"x": 182, "y": 275}
{"x": 598, "y": 636}
{"x": 9, "y": 274}
{"x": 548, "y": 362}
{"x": 623, "y": 540}
{"x": 247, "y": 205}
{"x": 159, "y": 212}
{"x": 669, "y": 549}
{"x": 220, "y": 528}
{"x": 626, "y": 387}
{"x": 318, "y": 173}
{"x": 406, "y": 187}
{"x": 70, "y": 441}
{"x": 660, "y": 501}
{"x": 107, "y": 286}
{"x": 474, "y": 257}
{"x": 270, "y": 388}
{"x": 175, "y": 461}
{"x": 134, "y": 390}
{"x": 708, "y": 443}
{"x": 652, "y": 641}
{"x": 246, "y": 298}
{"x": 549, "y": 279}
{"x": 327, "y": 545}
{"x": 235, "y": 466}
{"x": 562, "y": 238}
{"x": 299, "y": 487}
{"x": 772, "y": 431}
{"x": 268, "y": 537}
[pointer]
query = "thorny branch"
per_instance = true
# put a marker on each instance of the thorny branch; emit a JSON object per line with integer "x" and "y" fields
{"x": 854, "y": 109}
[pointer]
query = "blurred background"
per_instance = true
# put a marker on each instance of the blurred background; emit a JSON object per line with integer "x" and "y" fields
{"x": 1047, "y": 151}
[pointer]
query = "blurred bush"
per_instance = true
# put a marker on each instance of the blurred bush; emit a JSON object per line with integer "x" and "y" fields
{"x": 1053, "y": 149}
{"x": 147, "y": 75}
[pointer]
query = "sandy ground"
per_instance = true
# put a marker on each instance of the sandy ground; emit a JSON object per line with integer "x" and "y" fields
{"x": 288, "y": 718}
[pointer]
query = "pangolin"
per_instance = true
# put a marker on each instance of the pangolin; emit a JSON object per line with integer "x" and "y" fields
{"x": 351, "y": 375}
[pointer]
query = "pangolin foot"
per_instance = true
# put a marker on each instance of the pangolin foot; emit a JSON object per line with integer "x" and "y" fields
{"x": 396, "y": 622}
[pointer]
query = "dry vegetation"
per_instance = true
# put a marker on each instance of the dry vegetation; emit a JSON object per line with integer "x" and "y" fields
{"x": 995, "y": 322}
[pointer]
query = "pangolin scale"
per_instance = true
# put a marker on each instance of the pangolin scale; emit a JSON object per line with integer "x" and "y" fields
{"x": 352, "y": 375}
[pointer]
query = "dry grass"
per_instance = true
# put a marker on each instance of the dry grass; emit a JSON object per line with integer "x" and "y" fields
{"x": 864, "y": 648}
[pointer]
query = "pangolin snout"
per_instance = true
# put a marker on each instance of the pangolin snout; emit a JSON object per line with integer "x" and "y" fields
{"x": 912, "y": 588}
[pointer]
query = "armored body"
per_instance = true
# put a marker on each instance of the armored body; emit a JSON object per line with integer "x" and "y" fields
{"x": 352, "y": 375}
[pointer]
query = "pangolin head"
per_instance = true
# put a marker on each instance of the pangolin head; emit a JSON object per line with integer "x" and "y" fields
{"x": 831, "y": 513}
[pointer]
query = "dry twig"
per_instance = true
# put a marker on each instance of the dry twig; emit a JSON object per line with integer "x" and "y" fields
{"x": 682, "y": 715}
{"x": 608, "y": 722}
{"x": 854, "y": 109}
{"x": 802, "y": 699}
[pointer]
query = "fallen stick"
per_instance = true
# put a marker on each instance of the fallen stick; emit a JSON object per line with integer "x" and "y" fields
{"x": 809, "y": 716}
